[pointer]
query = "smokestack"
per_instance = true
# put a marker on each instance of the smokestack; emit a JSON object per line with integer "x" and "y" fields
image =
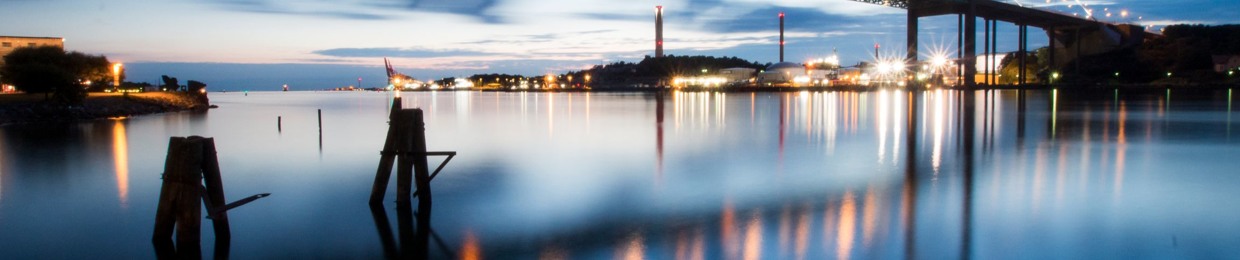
{"x": 781, "y": 36}
{"x": 658, "y": 31}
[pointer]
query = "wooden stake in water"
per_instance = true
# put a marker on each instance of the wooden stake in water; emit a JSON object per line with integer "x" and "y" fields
{"x": 406, "y": 144}
{"x": 190, "y": 162}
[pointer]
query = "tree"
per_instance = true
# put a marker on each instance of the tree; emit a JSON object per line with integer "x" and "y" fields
{"x": 49, "y": 69}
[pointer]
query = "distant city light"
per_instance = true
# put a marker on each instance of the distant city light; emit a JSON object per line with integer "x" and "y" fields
{"x": 116, "y": 74}
{"x": 938, "y": 61}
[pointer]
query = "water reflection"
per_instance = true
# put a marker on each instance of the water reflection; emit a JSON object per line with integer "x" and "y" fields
{"x": 690, "y": 244}
{"x": 3, "y": 164}
{"x": 846, "y": 227}
{"x": 415, "y": 235}
{"x": 120, "y": 155}
{"x": 632, "y": 247}
{"x": 806, "y": 175}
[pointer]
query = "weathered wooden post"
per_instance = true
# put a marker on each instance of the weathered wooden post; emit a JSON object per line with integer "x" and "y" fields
{"x": 190, "y": 162}
{"x": 406, "y": 143}
{"x": 407, "y": 155}
{"x": 179, "y": 198}
{"x": 384, "y": 173}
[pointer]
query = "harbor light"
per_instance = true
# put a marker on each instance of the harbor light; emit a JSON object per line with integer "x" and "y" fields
{"x": 116, "y": 74}
{"x": 938, "y": 61}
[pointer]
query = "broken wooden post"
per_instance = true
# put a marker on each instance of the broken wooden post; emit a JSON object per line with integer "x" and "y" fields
{"x": 191, "y": 161}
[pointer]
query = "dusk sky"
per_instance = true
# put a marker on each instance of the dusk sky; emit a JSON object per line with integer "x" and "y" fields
{"x": 316, "y": 44}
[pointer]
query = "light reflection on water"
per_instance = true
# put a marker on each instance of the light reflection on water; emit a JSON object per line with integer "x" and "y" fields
{"x": 682, "y": 175}
{"x": 120, "y": 151}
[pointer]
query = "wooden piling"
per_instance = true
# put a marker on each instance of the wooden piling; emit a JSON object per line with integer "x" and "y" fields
{"x": 320, "y": 121}
{"x": 192, "y": 177}
{"x": 215, "y": 190}
{"x": 181, "y": 193}
{"x": 279, "y": 124}
{"x": 421, "y": 168}
{"x": 405, "y": 152}
{"x": 386, "y": 156}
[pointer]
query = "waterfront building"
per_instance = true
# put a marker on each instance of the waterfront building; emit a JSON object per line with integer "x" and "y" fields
{"x": 1224, "y": 63}
{"x": 10, "y": 43}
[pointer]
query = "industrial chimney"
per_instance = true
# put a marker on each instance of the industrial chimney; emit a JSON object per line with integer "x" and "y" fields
{"x": 781, "y": 36}
{"x": 658, "y": 31}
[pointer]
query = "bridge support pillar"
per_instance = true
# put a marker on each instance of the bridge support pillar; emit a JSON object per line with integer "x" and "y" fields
{"x": 1050, "y": 66}
{"x": 1023, "y": 52}
{"x": 986, "y": 51}
{"x": 970, "y": 46}
{"x": 912, "y": 35}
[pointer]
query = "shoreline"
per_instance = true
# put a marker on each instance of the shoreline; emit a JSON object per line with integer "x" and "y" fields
{"x": 32, "y": 109}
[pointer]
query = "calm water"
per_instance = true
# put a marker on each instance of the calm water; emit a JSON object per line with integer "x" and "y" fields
{"x": 812, "y": 175}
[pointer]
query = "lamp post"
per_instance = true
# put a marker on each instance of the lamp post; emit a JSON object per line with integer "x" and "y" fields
{"x": 116, "y": 74}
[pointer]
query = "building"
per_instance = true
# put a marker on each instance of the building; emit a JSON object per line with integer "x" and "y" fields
{"x": 1225, "y": 63}
{"x": 10, "y": 43}
{"x": 794, "y": 75}
{"x": 737, "y": 75}
{"x": 780, "y": 73}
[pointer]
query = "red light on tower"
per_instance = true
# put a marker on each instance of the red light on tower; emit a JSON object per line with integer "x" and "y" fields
{"x": 781, "y": 36}
{"x": 658, "y": 31}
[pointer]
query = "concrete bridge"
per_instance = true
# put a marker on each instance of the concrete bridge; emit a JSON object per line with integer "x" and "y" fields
{"x": 1070, "y": 37}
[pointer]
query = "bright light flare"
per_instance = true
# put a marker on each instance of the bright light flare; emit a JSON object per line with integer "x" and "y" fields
{"x": 938, "y": 61}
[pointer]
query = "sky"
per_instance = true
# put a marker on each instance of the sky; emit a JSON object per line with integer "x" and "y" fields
{"x": 317, "y": 44}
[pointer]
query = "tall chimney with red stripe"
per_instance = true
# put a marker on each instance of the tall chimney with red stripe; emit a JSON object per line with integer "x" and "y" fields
{"x": 781, "y": 36}
{"x": 658, "y": 31}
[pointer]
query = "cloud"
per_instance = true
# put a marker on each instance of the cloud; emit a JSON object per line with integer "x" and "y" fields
{"x": 766, "y": 19}
{"x": 366, "y": 9}
{"x": 314, "y": 9}
{"x": 480, "y": 9}
{"x": 395, "y": 52}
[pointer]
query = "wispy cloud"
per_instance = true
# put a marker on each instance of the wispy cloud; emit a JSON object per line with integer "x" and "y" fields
{"x": 366, "y": 9}
{"x": 395, "y": 52}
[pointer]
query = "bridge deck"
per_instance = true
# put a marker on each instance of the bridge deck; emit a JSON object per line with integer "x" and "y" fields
{"x": 989, "y": 9}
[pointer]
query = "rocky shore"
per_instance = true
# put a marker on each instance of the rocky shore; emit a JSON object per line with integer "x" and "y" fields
{"x": 31, "y": 108}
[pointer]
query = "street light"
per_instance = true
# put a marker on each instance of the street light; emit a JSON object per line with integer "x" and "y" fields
{"x": 116, "y": 74}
